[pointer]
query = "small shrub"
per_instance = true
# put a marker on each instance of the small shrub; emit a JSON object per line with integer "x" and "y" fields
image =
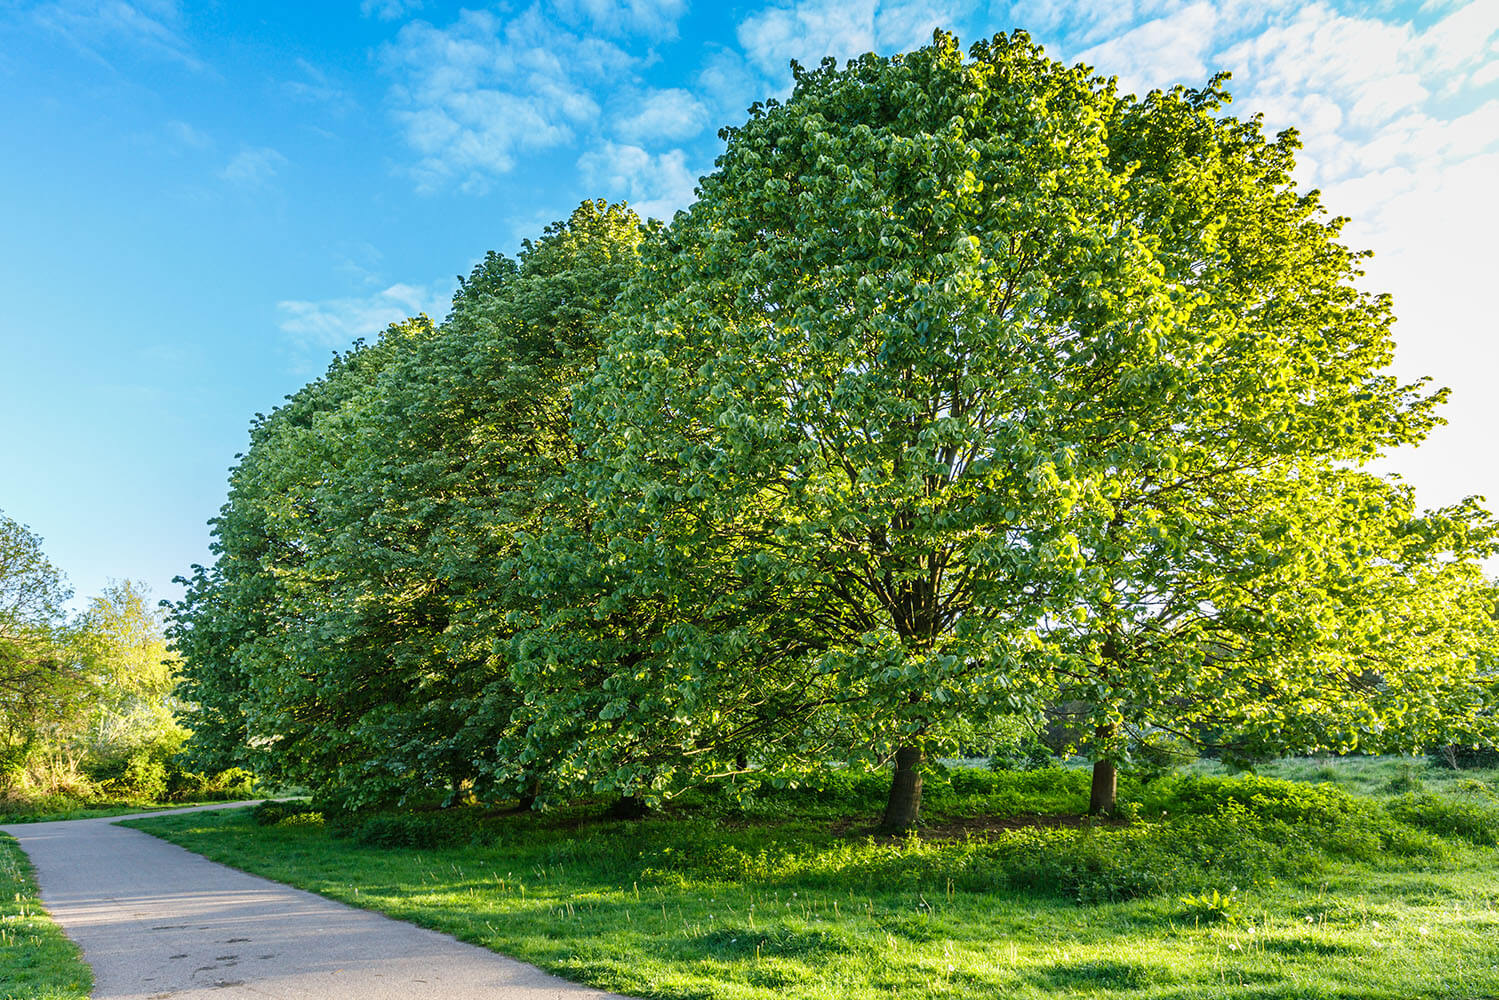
{"x": 272, "y": 812}
{"x": 1406, "y": 779}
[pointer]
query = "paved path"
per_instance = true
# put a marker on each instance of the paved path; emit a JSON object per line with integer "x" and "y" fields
{"x": 158, "y": 922}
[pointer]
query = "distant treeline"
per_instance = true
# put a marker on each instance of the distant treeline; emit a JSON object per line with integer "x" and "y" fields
{"x": 87, "y": 710}
{"x": 968, "y": 390}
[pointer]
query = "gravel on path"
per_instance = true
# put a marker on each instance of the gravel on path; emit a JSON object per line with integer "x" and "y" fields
{"x": 158, "y": 922}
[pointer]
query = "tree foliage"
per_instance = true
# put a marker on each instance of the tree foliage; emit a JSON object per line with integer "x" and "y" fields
{"x": 348, "y": 633}
{"x": 38, "y": 678}
{"x": 968, "y": 387}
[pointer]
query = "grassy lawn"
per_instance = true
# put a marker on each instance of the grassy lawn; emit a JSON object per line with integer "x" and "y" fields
{"x": 1383, "y": 882}
{"x": 36, "y": 961}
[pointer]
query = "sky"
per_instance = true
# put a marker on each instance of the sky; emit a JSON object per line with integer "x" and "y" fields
{"x": 199, "y": 202}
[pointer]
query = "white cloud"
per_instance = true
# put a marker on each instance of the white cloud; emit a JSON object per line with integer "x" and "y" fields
{"x": 1434, "y": 233}
{"x": 98, "y": 27}
{"x": 1163, "y": 51}
{"x": 1082, "y": 24}
{"x": 1461, "y": 38}
{"x": 900, "y": 25}
{"x": 473, "y": 95}
{"x": 253, "y": 167}
{"x": 728, "y": 82}
{"x": 663, "y": 114}
{"x": 314, "y": 328}
{"x": 656, "y": 18}
{"x": 656, "y": 186}
{"x": 808, "y": 30}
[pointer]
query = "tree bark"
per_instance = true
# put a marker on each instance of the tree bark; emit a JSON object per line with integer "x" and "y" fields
{"x": 1105, "y": 793}
{"x": 904, "y": 807}
{"x": 528, "y": 797}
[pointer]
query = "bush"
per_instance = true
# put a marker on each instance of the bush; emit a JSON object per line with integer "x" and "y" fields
{"x": 272, "y": 812}
{"x": 1093, "y": 865}
{"x": 1265, "y": 798}
{"x": 1406, "y": 779}
{"x": 191, "y": 786}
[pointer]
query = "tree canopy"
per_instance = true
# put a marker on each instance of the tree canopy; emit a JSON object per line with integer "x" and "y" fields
{"x": 968, "y": 387}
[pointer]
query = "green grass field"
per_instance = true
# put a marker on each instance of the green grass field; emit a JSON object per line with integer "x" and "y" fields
{"x": 36, "y": 961}
{"x": 1382, "y": 881}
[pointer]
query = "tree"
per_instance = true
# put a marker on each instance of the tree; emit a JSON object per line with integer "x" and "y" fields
{"x": 39, "y": 682}
{"x": 133, "y": 673}
{"x": 1226, "y": 556}
{"x": 262, "y": 675}
{"x": 953, "y": 349}
{"x": 349, "y": 634}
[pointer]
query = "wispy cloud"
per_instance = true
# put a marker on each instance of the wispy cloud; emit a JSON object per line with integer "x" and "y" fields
{"x": 103, "y": 28}
{"x": 653, "y": 18}
{"x": 389, "y": 10}
{"x": 655, "y": 185}
{"x": 473, "y": 95}
{"x": 184, "y": 136}
{"x": 314, "y": 86}
{"x": 808, "y": 30}
{"x": 253, "y": 167}
{"x": 728, "y": 81}
{"x": 662, "y": 115}
{"x": 1174, "y": 47}
{"x": 314, "y": 328}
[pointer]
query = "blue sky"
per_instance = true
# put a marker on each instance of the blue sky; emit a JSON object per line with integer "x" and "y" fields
{"x": 200, "y": 202}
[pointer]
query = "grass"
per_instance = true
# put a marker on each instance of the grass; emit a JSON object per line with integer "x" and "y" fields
{"x": 36, "y": 961}
{"x": 1247, "y": 887}
{"x": 49, "y": 812}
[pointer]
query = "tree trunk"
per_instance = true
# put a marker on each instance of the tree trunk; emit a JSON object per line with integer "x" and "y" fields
{"x": 1105, "y": 793}
{"x": 528, "y": 797}
{"x": 904, "y": 807}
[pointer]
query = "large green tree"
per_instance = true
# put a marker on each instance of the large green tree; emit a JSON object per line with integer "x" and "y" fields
{"x": 261, "y": 668}
{"x": 349, "y": 633}
{"x": 952, "y": 348}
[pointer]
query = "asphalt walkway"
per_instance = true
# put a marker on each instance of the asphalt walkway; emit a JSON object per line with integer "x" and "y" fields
{"x": 157, "y": 922}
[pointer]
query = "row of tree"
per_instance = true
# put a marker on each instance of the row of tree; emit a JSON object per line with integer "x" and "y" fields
{"x": 968, "y": 388}
{"x": 86, "y": 700}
